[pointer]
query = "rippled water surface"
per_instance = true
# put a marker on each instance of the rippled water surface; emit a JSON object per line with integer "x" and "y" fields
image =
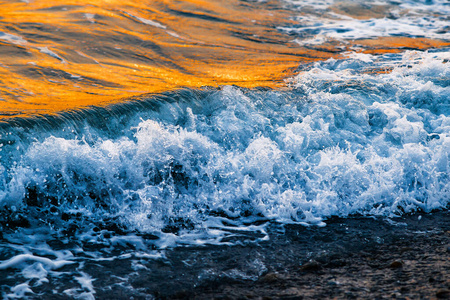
{"x": 130, "y": 128}
{"x": 63, "y": 55}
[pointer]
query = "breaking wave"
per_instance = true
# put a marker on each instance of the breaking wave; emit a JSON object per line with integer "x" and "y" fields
{"x": 193, "y": 166}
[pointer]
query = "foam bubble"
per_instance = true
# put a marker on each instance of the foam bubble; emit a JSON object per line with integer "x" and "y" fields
{"x": 18, "y": 260}
{"x": 19, "y": 291}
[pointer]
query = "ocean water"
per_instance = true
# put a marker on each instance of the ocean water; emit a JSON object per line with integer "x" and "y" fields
{"x": 364, "y": 131}
{"x": 349, "y": 20}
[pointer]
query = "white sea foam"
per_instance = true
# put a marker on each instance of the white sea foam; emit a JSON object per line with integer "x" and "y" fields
{"x": 343, "y": 142}
{"x": 440, "y": 6}
{"x": 19, "y": 291}
{"x": 87, "y": 289}
{"x": 35, "y": 269}
{"x": 409, "y": 18}
{"x": 90, "y": 17}
{"x": 351, "y": 29}
{"x": 148, "y": 22}
{"x": 213, "y": 168}
{"x": 15, "y": 39}
{"x": 47, "y": 51}
{"x": 18, "y": 260}
{"x": 317, "y": 5}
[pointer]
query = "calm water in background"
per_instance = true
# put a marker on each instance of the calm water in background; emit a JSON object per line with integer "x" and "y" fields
{"x": 67, "y": 55}
{"x": 353, "y": 119}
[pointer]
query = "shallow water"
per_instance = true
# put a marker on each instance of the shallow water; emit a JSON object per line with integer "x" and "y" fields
{"x": 352, "y": 127}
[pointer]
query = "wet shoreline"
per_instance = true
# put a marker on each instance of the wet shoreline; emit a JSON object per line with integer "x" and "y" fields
{"x": 350, "y": 258}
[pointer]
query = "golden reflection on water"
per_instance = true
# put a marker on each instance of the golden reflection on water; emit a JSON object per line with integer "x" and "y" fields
{"x": 67, "y": 54}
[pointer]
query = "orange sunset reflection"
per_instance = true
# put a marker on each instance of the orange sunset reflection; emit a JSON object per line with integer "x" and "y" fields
{"x": 64, "y": 55}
